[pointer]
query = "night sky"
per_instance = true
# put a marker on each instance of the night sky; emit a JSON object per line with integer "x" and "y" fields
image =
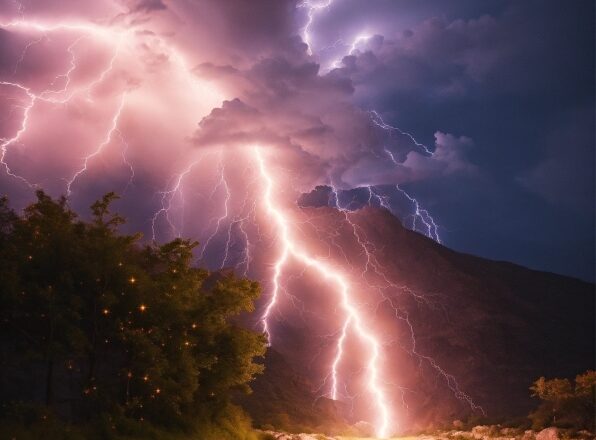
{"x": 517, "y": 78}
{"x": 501, "y": 91}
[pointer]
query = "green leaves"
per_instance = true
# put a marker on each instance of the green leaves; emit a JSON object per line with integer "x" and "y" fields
{"x": 117, "y": 325}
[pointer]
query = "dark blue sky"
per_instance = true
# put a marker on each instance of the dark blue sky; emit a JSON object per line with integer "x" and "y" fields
{"x": 515, "y": 77}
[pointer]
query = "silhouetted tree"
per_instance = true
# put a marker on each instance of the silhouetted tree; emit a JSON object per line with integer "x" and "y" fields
{"x": 565, "y": 404}
{"x": 114, "y": 327}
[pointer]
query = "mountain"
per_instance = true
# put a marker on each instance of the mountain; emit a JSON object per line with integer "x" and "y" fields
{"x": 284, "y": 399}
{"x": 484, "y": 330}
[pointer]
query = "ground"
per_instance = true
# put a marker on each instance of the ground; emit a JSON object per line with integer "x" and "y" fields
{"x": 477, "y": 433}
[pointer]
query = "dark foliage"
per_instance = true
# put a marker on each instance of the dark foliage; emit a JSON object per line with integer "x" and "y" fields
{"x": 565, "y": 404}
{"x": 93, "y": 324}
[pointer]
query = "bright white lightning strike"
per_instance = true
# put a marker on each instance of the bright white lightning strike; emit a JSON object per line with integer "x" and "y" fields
{"x": 359, "y": 39}
{"x": 353, "y": 319}
{"x": 61, "y": 95}
{"x": 113, "y": 129}
{"x": 45, "y": 95}
{"x": 20, "y": 132}
{"x": 312, "y": 9}
{"x": 373, "y": 265}
{"x": 166, "y": 201}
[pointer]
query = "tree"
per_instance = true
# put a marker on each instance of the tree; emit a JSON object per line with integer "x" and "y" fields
{"x": 565, "y": 404}
{"x": 42, "y": 310}
{"x": 114, "y": 327}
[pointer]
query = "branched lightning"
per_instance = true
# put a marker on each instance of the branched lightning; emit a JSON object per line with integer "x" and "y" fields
{"x": 378, "y": 121}
{"x": 353, "y": 318}
{"x": 20, "y": 132}
{"x": 355, "y": 42}
{"x": 125, "y": 160}
{"x": 428, "y": 225}
{"x": 115, "y": 38}
{"x": 24, "y": 53}
{"x": 240, "y": 221}
{"x": 431, "y": 229}
{"x": 246, "y": 256}
{"x": 222, "y": 183}
{"x": 108, "y": 138}
{"x": 450, "y": 380}
{"x": 48, "y": 95}
{"x": 166, "y": 201}
{"x": 312, "y": 8}
{"x": 373, "y": 265}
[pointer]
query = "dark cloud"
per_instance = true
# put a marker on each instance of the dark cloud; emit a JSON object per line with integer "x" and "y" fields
{"x": 563, "y": 176}
{"x": 498, "y": 90}
{"x": 511, "y": 76}
{"x": 440, "y": 60}
{"x": 284, "y": 101}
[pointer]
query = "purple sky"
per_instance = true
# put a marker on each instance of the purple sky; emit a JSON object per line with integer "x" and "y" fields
{"x": 501, "y": 92}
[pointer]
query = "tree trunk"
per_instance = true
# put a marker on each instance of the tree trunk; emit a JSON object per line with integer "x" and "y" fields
{"x": 50, "y": 361}
{"x": 92, "y": 353}
{"x": 50, "y": 366}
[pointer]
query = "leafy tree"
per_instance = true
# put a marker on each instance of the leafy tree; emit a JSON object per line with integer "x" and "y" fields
{"x": 42, "y": 309}
{"x": 113, "y": 327}
{"x": 565, "y": 404}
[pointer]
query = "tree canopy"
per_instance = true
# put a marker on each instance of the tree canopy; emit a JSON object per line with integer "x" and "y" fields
{"x": 565, "y": 404}
{"x": 92, "y": 322}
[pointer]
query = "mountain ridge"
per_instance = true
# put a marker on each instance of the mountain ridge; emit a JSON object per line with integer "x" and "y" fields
{"x": 492, "y": 326}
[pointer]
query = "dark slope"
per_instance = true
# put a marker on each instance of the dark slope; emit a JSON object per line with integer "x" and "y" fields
{"x": 496, "y": 327}
{"x": 506, "y": 325}
{"x": 284, "y": 399}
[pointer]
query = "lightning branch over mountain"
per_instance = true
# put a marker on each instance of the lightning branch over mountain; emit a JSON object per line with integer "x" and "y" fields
{"x": 353, "y": 318}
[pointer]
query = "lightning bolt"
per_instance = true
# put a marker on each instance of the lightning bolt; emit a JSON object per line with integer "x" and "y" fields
{"x": 246, "y": 259}
{"x": 372, "y": 264}
{"x": 431, "y": 229}
{"x": 47, "y": 95}
{"x": 353, "y": 318}
{"x": 429, "y": 226}
{"x": 222, "y": 183}
{"x": 24, "y": 53}
{"x": 19, "y": 133}
{"x": 108, "y": 138}
{"x": 109, "y": 35}
{"x": 312, "y": 8}
{"x": 355, "y": 42}
{"x": 240, "y": 221}
{"x": 166, "y": 201}
{"x": 378, "y": 121}
{"x": 449, "y": 379}
{"x": 125, "y": 160}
